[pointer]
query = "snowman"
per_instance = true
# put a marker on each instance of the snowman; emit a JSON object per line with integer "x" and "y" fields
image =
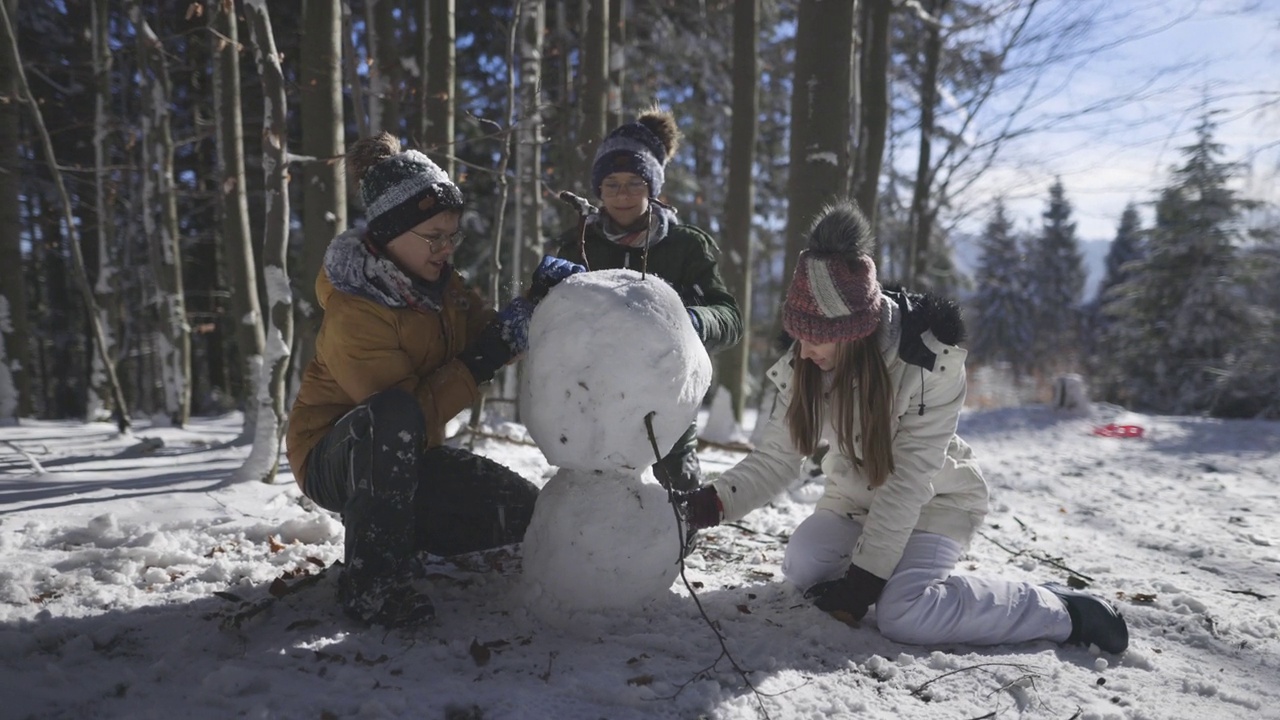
{"x": 611, "y": 354}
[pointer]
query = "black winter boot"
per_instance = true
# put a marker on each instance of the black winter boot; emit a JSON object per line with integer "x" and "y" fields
{"x": 389, "y": 430}
{"x": 1094, "y": 621}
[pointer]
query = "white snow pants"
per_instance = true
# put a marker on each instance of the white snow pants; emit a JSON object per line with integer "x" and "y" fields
{"x": 923, "y": 603}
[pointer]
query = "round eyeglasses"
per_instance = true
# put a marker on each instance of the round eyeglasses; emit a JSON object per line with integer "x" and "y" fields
{"x": 630, "y": 187}
{"x": 437, "y": 241}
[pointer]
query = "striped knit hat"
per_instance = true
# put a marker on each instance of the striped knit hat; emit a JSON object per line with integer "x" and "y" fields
{"x": 400, "y": 189}
{"x": 834, "y": 295}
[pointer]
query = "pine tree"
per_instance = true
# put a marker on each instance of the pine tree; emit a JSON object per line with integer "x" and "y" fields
{"x": 1001, "y": 328}
{"x": 1182, "y": 310}
{"x": 1057, "y": 285}
{"x": 1104, "y": 334}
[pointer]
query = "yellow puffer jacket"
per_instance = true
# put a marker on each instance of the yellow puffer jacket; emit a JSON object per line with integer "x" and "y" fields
{"x": 364, "y": 348}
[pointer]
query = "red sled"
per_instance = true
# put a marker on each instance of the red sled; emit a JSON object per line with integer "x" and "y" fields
{"x": 1119, "y": 431}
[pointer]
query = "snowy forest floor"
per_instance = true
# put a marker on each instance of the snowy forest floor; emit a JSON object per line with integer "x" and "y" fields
{"x": 139, "y": 580}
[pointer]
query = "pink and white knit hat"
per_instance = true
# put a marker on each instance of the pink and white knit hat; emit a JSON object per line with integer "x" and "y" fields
{"x": 834, "y": 295}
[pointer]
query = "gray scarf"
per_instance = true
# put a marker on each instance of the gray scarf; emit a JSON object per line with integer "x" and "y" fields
{"x": 355, "y": 269}
{"x": 660, "y": 221}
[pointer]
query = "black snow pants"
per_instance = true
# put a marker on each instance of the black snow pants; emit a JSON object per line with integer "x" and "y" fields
{"x": 397, "y": 498}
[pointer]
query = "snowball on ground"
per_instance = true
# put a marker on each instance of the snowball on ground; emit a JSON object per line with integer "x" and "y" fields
{"x": 607, "y": 348}
{"x": 599, "y": 540}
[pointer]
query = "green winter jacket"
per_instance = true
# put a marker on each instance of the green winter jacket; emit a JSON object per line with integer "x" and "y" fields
{"x": 686, "y": 259}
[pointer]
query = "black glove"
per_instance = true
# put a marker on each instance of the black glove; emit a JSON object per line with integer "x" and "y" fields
{"x": 488, "y": 352}
{"x": 851, "y": 594}
{"x": 549, "y": 273}
{"x": 700, "y": 508}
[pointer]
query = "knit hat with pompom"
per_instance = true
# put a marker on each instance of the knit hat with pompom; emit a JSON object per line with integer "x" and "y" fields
{"x": 642, "y": 147}
{"x": 400, "y": 189}
{"x": 834, "y": 295}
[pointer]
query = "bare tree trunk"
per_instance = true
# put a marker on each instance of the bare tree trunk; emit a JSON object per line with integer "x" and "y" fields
{"x": 595, "y": 73}
{"x": 917, "y": 273}
{"x": 873, "y": 69}
{"x": 99, "y": 395}
{"x": 820, "y": 117}
{"x": 352, "y": 76}
{"x": 739, "y": 258}
{"x": 385, "y": 72}
{"x": 264, "y": 459}
{"x": 15, "y": 328}
{"x": 237, "y": 244}
{"x": 24, "y": 92}
{"x": 324, "y": 199}
{"x": 617, "y": 62}
{"x": 157, "y": 152}
{"x": 440, "y": 71}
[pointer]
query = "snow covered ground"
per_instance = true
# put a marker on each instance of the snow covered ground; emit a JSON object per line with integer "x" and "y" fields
{"x": 139, "y": 580}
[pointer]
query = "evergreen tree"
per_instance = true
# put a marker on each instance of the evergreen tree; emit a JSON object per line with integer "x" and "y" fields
{"x": 1128, "y": 247}
{"x": 1056, "y": 268}
{"x": 1001, "y": 329}
{"x": 1182, "y": 311}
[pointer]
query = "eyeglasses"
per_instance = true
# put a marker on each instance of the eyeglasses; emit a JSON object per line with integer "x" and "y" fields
{"x": 437, "y": 242}
{"x": 630, "y": 187}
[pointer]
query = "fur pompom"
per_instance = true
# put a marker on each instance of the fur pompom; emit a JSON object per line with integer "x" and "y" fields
{"x": 841, "y": 229}
{"x": 663, "y": 125}
{"x": 370, "y": 151}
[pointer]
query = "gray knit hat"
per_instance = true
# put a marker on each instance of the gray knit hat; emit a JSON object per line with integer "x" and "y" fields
{"x": 641, "y": 147}
{"x": 400, "y": 189}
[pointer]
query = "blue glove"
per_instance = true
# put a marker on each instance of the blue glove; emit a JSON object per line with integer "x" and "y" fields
{"x": 514, "y": 319}
{"x": 549, "y": 273}
{"x": 506, "y": 336}
{"x": 697, "y": 321}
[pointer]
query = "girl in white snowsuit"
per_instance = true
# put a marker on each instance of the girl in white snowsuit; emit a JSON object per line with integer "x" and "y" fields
{"x": 878, "y": 375}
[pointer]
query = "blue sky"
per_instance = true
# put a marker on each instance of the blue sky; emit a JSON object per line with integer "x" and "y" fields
{"x": 1225, "y": 50}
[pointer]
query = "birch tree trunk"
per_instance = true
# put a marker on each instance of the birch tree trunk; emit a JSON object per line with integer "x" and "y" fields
{"x": 99, "y": 396}
{"x": 440, "y": 71}
{"x": 820, "y": 117}
{"x": 324, "y": 199}
{"x": 15, "y": 329}
{"x": 173, "y": 342}
{"x": 14, "y": 61}
{"x": 739, "y": 258}
{"x": 233, "y": 198}
{"x": 527, "y": 245}
{"x": 264, "y": 459}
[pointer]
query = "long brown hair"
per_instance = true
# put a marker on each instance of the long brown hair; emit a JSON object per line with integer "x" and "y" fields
{"x": 861, "y": 376}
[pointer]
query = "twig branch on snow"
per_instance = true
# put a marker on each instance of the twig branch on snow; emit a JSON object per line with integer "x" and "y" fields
{"x": 724, "y": 649}
{"x": 1042, "y": 557}
{"x": 981, "y": 666}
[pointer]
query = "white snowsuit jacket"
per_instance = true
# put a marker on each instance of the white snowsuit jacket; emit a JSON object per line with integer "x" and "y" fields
{"x": 936, "y": 485}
